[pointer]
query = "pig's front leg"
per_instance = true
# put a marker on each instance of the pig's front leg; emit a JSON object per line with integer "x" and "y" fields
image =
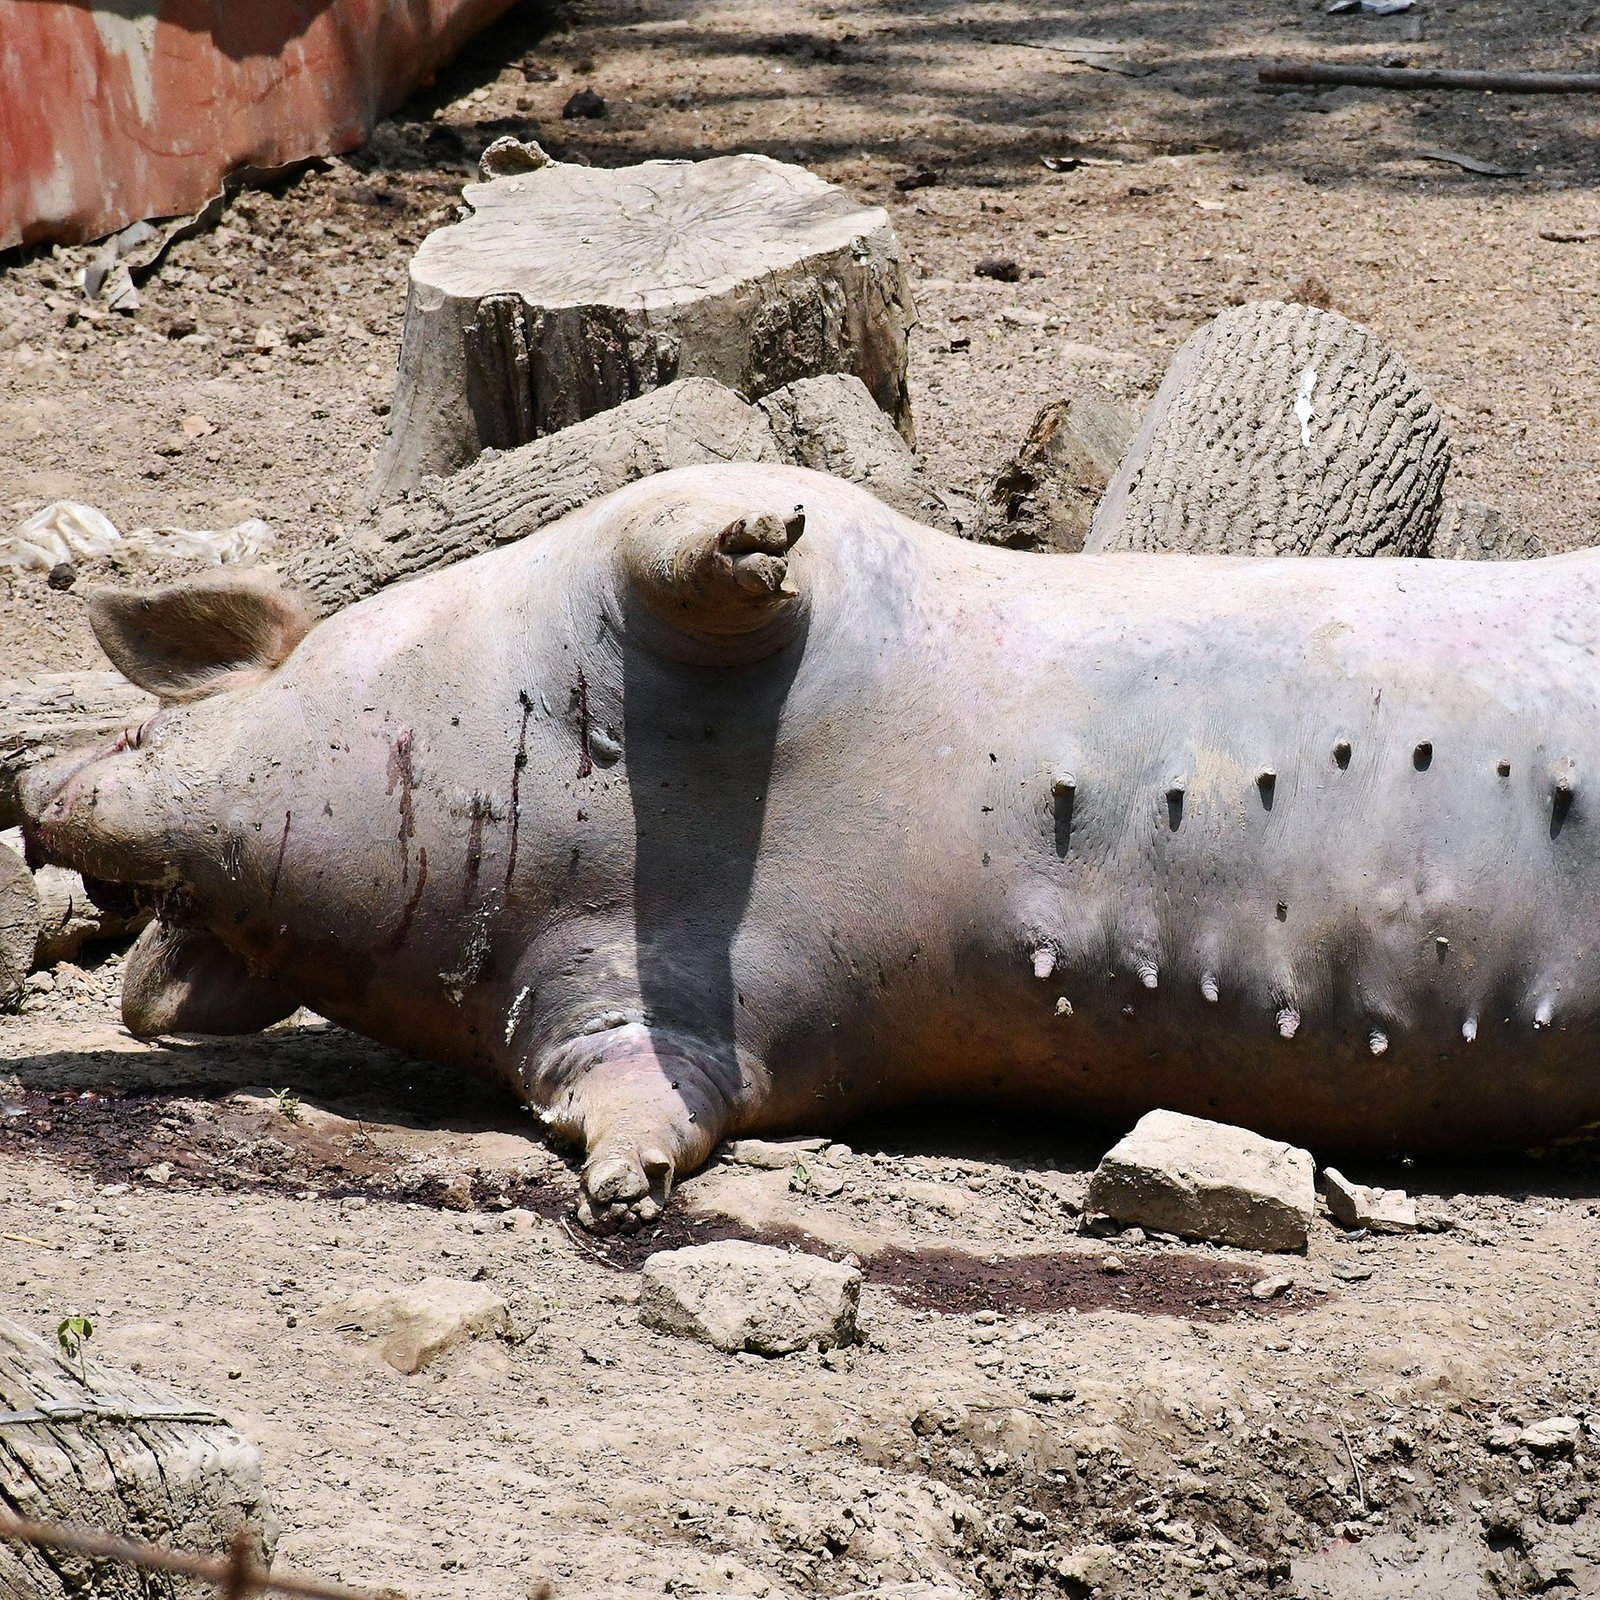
{"x": 647, "y": 1108}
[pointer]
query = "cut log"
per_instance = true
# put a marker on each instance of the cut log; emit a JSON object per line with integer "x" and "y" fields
{"x": 831, "y": 425}
{"x": 1281, "y": 430}
{"x": 121, "y": 1454}
{"x": 571, "y": 289}
{"x": 19, "y": 924}
{"x": 828, "y": 423}
{"x": 56, "y": 711}
{"x": 1471, "y": 531}
{"x": 1044, "y": 497}
{"x": 70, "y": 917}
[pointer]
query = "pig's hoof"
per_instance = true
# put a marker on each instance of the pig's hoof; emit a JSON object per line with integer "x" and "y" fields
{"x": 624, "y": 1188}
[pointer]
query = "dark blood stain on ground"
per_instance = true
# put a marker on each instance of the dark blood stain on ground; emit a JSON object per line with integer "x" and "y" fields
{"x": 236, "y": 1148}
{"x": 1174, "y": 1283}
{"x": 117, "y": 1138}
{"x": 1152, "y": 1282}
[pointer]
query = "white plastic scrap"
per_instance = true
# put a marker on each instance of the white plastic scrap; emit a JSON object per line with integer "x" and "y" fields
{"x": 64, "y": 531}
{"x": 68, "y": 531}
{"x": 244, "y": 541}
{"x": 1302, "y": 406}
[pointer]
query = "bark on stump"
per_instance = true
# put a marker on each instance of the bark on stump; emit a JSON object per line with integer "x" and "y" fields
{"x": 57, "y": 711}
{"x": 70, "y": 917}
{"x": 571, "y": 289}
{"x": 1044, "y": 497}
{"x": 1281, "y": 430}
{"x": 122, "y": 1455}
{"x": 19, "y": 924}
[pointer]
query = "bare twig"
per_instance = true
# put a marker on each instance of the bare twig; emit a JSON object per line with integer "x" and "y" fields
{"x": 1361, "y": 1488}
{"x": 236, "y": 1576}
{"x": 1342, "y": 72}
{"x": 584, "y": 1245}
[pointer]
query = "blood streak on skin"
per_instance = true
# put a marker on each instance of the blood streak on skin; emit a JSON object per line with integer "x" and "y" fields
{"x": 516, "y": 781}
{"x": 398, "y": 937}
{"x": 400, "y": 772}
{"x": 585, "y": 764}
{"x": 283, "y": 844}
{"x": 474, "y": 845}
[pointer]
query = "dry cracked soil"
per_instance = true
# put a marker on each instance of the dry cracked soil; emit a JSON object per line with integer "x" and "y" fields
{"x": 1017, "y": 1419}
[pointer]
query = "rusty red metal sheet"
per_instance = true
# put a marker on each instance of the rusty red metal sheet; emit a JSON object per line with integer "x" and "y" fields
{"x": 113, "y": 110}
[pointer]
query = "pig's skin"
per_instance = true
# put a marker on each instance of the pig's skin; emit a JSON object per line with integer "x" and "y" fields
{"x": 949, "y": 820}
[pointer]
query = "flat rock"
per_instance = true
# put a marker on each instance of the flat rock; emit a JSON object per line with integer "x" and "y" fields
{"x": 1207, "y": 1180}
{"x": 1355, "y": 1205}
{"x": 740, "y": 1296}
{"x": 417, "y": 1323}
{"x": 1553, "y": 1436}
{"x": 771, "y": 1155}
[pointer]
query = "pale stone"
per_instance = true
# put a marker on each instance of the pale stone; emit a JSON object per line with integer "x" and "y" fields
{"x": 417, "y": 1323}
{"x": 1553, "y": 1436}
{"x": 1207, "y": 1180}
{"x": 740, "y": 1296}
{"x": 1354, "y": 1205}
{"x": 772, "y": 1155}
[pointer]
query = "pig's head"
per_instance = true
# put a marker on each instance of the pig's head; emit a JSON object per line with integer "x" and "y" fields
{"x": 117, "y": 813}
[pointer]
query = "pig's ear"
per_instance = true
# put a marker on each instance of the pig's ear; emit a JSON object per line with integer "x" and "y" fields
{"x": 719, "y": 588}
{"x": 181, "y": 980}
{"x": 186, "y": 640}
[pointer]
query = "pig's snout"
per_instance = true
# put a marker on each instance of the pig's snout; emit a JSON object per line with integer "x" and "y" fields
{"x": 43, "y": 797}
{"x": 90, "y": 812}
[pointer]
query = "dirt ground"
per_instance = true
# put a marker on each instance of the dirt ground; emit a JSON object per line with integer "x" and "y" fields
{"x": 1330, "y": 1441}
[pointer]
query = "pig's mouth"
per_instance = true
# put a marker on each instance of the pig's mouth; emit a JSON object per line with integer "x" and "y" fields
{"x": 54, "y": 829}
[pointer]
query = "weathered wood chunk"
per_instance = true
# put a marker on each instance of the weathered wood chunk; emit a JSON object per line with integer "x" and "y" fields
{"x": 828, "y": 423}
{"x": 122, "y": 1454}
{"x": 831, "y": 425}
{"x": 55, "y": 711}
{"x": 1471, "y": 531}
{"x": 1044, "y": 497}
{"x": 19, "y": 923}
{"x": 1281, "y": 430}
{"x": 571, "y": 289}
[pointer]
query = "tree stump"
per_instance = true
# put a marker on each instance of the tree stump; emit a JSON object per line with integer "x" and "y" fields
{"x": 1281, "y": 430}
{"x": 122, "y": 1455}
{"x": 19, "y": 923}
{"x": 70, "y": 917}
{"x": 55, "y": 711}
{"x": 571, "y": 289}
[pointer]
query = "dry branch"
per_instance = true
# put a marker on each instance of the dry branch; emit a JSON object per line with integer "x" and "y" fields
{"x": 237, "y": 1575}
{"x": 1349, "y": 74}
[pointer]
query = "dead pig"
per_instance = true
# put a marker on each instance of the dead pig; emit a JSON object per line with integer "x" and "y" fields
{"x": 688, "y": 826}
